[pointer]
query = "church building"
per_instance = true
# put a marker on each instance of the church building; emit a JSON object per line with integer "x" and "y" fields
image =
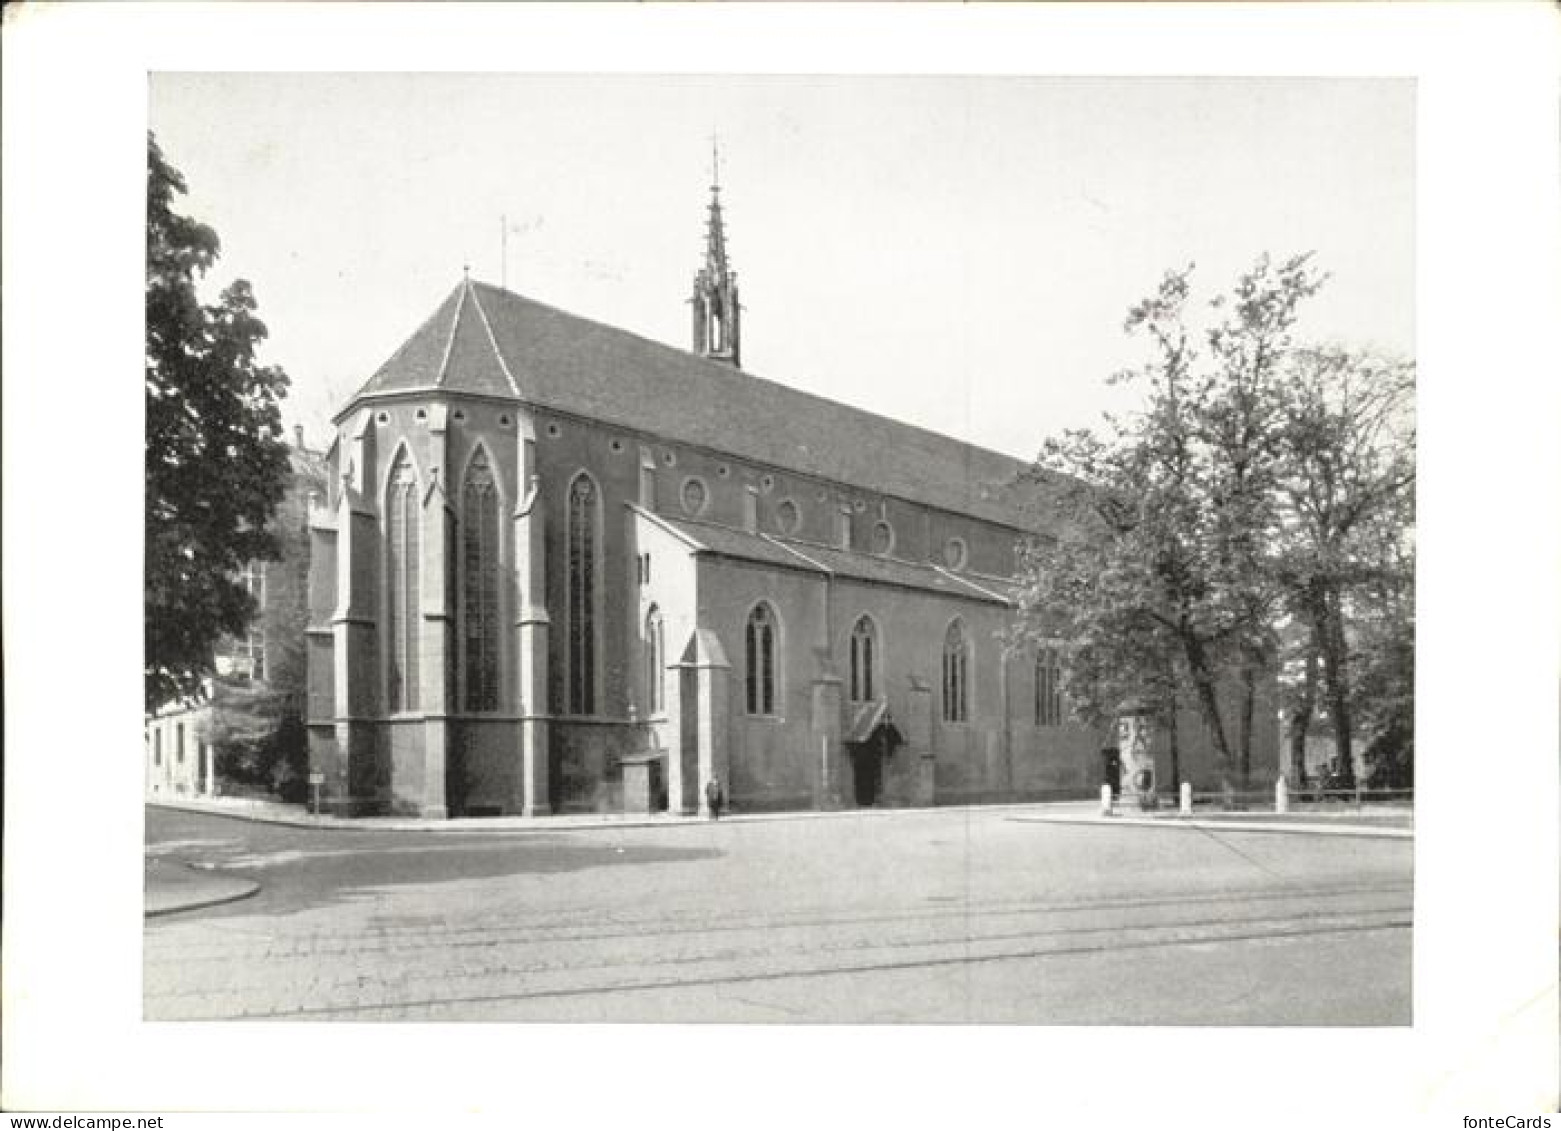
{"x": 563, "y": 568}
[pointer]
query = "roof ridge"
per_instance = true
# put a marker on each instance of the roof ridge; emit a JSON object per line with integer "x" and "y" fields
{"x": 403, "y": 347}
{"x": 668, "y": 526}
{"x": 449, "y": 342}
{"x": 774, "y": 541}
{"x": 965, "y": 581}
{"x": 492, "y": 341}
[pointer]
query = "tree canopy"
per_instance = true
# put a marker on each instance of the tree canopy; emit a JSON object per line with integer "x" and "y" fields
{"x": 1261, "y": 484}
{"x": 216, "y": 459}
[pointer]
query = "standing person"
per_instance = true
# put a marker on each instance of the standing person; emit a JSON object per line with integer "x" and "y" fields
{"x": 714, "y": 797}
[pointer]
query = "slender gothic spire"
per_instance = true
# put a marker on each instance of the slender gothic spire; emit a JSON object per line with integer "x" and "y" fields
{"x": 717, "y": 312}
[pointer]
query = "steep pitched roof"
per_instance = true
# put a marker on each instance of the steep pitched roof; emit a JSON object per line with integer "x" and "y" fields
{"x": 483, "y": 339}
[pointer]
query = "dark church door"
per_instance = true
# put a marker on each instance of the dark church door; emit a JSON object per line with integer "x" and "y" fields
{"x": 867, "y": 770}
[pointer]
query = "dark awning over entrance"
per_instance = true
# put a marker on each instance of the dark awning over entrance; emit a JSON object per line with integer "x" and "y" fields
{"x": 867, "y": 720}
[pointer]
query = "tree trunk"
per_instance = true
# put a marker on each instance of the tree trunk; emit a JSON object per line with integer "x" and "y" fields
{"x": 1301, "y": 718}
{"x": 1208, "y": 704}
{"x": 1336, "y": 676}
{"x": 1248, "y": 711}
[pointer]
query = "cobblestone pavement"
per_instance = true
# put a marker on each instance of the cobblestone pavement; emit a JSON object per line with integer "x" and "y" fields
{"x": 943, "y": 916}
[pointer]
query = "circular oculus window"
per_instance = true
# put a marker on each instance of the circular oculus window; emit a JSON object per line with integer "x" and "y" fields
{"x": 695, "y": 495}
{"x": 788, "y": 516}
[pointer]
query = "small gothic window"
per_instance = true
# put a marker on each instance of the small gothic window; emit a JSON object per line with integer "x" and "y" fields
{"x": 883, "y": 538}
{"x": 788, "y": 517}
{"x": 655, "y": 662}
{"x": 402, "y": 550}
{"x": 955, "y": 553}
{"x": 956, "y": 666}
{"x": 583, "y": 507}
{"x": 695, "y": 495}
{"x": 1048, "y": 688}
{"x": 480, "y": 584}
{"x": 761, "y": 661}
{"x": 864, "y": 649}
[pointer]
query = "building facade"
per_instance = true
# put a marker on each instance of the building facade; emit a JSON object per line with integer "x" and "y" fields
{"x": 259, "y": 678}
{"x": 563, "y": 568}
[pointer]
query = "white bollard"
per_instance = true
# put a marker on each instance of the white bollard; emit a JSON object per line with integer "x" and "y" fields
{"x": 1105, "y": 801}
{"x": 1281, "y": 796}
{"x": 1187, "y": 799}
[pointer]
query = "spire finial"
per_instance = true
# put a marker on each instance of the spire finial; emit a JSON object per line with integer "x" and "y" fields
{"x": 716, "y": 306}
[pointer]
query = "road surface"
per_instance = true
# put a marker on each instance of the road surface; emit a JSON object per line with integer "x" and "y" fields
{"x": 948, "y": 916}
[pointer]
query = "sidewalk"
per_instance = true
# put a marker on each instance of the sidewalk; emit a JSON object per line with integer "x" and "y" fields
{"x": 1365, "y": 824}
{"x": 276, "y": 813}
{"x": 1368, "y": 823}
{"x": 174, "y": 887}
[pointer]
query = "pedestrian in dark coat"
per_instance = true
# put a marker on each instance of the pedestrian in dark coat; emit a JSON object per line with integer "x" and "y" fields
{"x": 714, "y": 797}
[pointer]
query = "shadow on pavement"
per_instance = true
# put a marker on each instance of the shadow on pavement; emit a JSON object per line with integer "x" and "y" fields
{"x": 298, "y": 869}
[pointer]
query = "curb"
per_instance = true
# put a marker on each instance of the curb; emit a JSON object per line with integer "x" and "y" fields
{"x": 1228, "y": 826}
{"x": 582, "y": 823}
{"x": 234, "y": 890}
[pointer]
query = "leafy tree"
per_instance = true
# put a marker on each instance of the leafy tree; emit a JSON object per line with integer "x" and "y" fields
{"x": 216, "y": 461}
{"x": 1344, "y": 555}
{"x": 1258, "y": 480}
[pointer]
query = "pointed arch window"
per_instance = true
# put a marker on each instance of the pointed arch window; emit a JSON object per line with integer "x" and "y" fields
{"x": 761, "y": 661}
{"x": 480, "y": 584}
{"x": 584, "y": 509}
{"x": 864, "y": 658}
{"x": 1048, "y": 688}
{"x": 655, "y": 662}
{"x": 402, "y": 549}
{"x": 956, "y": 669}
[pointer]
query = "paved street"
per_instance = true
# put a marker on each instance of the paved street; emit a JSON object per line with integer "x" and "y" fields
{"x": 951, "y": 916}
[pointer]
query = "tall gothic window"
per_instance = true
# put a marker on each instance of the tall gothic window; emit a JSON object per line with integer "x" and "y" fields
{"x": 655, "y": 663}
{"x": 1048, "y": 688}
{"x": 402, "y": 548}
{"x": 761, "y": 661}
{"x": 583, "y": 507}
{"x": 480, "y": 584}
{"x": 956, "y": 683}
{"x": 864, "y": 648}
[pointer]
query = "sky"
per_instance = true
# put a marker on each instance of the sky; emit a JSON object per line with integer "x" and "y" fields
{"x": 958, "y": 253}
